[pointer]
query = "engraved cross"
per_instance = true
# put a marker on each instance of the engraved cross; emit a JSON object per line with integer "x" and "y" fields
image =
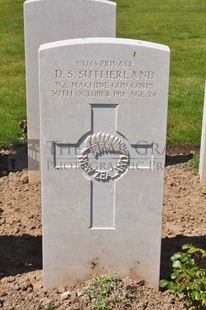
{"x": 118, "y": 156}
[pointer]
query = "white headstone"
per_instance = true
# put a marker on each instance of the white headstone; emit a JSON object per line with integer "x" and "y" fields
{"x": 52, "y": 20}
{"x": 103, "y": 111}
{"x": 202, "y": 165}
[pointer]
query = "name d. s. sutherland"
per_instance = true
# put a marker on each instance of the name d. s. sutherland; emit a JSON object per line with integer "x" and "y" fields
{"x": 106, "y": 74}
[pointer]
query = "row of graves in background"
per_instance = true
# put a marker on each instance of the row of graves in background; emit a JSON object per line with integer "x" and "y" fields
{"x": 54, "y": 20}
{"x": 99, "y": 107}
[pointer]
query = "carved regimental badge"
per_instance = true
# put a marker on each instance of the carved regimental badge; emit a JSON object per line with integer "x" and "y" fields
{"x": 104, "y": 144}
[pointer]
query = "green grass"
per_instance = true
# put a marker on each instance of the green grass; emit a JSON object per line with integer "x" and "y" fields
{"x": 180, "y": 24}
{"x": 12, "y": 71}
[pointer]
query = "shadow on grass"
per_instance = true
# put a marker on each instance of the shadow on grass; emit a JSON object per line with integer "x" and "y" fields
{"x": 173, "y": 245}
{"x": 12, "y": 162}
{"x": 20, "y": 254}
{"x": 178, "y": 159}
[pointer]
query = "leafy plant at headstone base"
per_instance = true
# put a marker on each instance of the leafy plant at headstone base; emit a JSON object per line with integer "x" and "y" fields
{"x": 51, "y": 306}
{"x": 21, "y": 141}
{"x": 194, "y": 163}
{"x": 106, "y": 291}
{"x": 189, "y": 276}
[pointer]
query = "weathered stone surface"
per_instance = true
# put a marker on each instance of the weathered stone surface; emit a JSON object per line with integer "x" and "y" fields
{"x": 103, "y": 152}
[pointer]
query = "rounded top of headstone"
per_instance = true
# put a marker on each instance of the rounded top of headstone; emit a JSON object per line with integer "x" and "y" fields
{"x": 114, "y": 41}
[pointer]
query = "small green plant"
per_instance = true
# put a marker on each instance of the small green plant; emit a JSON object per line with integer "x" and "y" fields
{"x": 106, "y": 291}
{"x": 189, "y": 277}
{"x": 51, "y": 306}
{"x": 22, "y": 130}
{"x": 21, "y": 141}
{"x": 194, "y": 163}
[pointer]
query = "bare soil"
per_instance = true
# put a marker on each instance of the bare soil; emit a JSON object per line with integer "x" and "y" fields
{"x": 184, "y": 221}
